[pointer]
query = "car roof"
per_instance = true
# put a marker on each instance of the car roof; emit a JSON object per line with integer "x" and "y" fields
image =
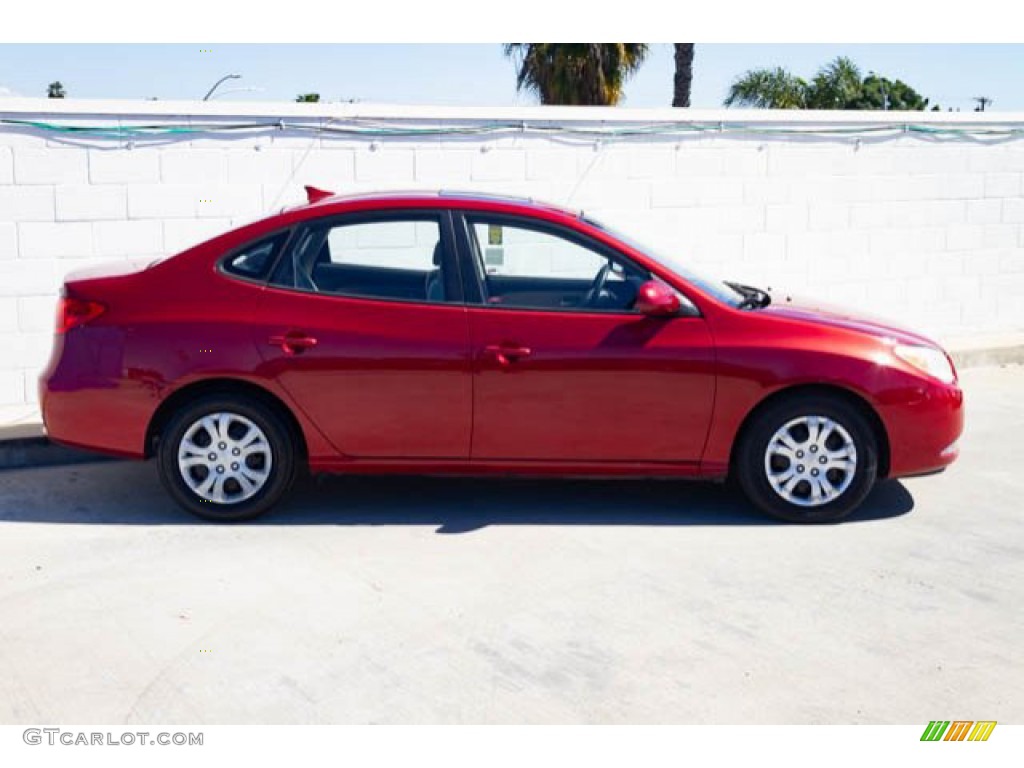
{"x": 429, "y": 197}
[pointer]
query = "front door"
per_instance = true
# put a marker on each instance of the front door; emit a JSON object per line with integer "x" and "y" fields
{"x": 564, "y": 369}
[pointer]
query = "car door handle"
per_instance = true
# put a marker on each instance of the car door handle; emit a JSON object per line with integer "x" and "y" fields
{"x": 506, "y": 354}
{"x": 293, "y": 342}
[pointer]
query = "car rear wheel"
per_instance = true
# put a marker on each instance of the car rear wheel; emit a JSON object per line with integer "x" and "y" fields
{"x": 226, "y": 459}
{"x": 808, "y": 459}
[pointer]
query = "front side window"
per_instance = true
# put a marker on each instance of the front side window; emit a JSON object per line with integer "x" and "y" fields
{"x": 720, "y": 289}
{"x": 522, "y": 265}
{"x": 399, "y": 258}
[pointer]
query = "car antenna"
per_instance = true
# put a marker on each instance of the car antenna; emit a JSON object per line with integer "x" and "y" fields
{"x": 314, "y": 195}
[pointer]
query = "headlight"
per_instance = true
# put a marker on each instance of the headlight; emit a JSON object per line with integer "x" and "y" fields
{"x": 928, "y": 359}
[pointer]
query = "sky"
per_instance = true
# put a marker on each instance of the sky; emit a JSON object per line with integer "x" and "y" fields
{"x": 476, "y": 74}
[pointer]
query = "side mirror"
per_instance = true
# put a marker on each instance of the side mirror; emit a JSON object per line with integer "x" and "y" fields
{"x": 655, "y": 299}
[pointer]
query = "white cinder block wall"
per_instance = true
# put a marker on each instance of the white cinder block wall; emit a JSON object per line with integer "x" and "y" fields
{"x": 927, "y": 231}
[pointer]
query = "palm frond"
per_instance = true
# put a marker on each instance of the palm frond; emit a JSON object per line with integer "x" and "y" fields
{"x": 575, "y": 73}
{"x": 768, "y": 89}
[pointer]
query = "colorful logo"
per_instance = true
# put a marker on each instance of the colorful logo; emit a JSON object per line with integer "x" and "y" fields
{"x": 958, "y": 730}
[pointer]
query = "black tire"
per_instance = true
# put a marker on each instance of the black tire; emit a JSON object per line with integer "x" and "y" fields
{"x": 279, "y": 439}
{"x": 750, "y": 469}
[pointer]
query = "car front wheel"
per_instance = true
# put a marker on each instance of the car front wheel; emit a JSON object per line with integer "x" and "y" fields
{"x": 808, "y": 459}
{"x": 226, "y": 459}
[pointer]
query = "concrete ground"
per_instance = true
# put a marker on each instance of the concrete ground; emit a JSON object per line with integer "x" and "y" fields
{"x": 399, "y": 600}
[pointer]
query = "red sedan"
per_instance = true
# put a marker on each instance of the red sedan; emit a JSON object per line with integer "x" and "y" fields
{"x": 462, "y": 333}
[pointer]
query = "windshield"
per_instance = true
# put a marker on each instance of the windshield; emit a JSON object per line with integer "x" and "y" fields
{"x": 717, "y": 288}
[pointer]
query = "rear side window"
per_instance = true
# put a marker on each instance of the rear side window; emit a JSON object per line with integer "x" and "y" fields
{"x": 397, "y": 244}
{"x": 254, "y": 261}
{"x": 399, "y": 257}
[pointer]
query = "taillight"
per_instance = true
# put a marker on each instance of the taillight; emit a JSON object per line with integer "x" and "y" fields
{"x": 74, "y": 312}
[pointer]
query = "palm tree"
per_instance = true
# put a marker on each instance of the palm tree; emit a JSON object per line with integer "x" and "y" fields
{"x": 576, "y": 73}
{"x": 837, "y": 85}
{"x": 768, "y": 89}
{"x": 55, "y": 90}
{"x": 684, "y": 75}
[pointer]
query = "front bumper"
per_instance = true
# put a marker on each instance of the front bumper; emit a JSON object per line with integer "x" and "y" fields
{"x": 924, "y": 425}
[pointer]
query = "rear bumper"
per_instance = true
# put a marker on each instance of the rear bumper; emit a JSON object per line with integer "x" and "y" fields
{"x": 84, "y": 420}
{"x": 924, "y": 429}
{"x": 84, "y": 406}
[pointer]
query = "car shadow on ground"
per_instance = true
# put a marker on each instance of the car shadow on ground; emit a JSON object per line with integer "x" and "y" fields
{"x": 460, "y": 505}
{"x": 120, "y": 493}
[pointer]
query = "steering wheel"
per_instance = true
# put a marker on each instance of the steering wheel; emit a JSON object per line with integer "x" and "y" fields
{"x": 593, "y": 295}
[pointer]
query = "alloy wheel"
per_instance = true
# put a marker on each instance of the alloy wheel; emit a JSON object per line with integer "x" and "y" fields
{"x": 810, "y": 461}
{"x": 224, "y": 458}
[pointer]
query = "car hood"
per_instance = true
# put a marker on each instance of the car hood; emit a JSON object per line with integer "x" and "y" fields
{"x": 835, "y": 316}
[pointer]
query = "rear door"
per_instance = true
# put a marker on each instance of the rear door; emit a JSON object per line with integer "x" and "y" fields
{"x": 364, "y": 325}
{"x": 565, "y": 369}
